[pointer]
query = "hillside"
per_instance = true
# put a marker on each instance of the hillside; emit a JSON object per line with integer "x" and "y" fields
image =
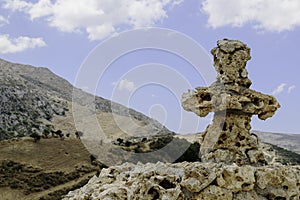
{"x": 33, "y": 99}
{"x": 43, "y": 170}
{"x": 287, "y": 141}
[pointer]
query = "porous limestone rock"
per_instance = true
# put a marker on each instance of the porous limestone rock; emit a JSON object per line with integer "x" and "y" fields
{"x": 228, "y": 139}
{"x": 180, "y": 181}
{"x": 214, "y": 192}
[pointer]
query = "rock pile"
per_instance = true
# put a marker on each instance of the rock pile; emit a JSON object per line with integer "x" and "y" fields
{"x": 192, "y": 181}
{"x": 228, "y": 139}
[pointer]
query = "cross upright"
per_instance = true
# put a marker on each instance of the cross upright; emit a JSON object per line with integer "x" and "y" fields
{"x": 228, "y": 138}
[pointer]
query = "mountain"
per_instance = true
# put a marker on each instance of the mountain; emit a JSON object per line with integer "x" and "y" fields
{"x": 290, "y": 142}
{"x": 35, "y": 100}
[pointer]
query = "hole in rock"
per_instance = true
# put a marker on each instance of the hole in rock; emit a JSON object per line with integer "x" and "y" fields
{"x": 238, "y": 161}
{"x": 245, "y": 185}
{"x": 240, "y": 179}
{"x": 205, "y": 97}
{"x": 154, "y": 193}
{"x": 280, "y": 198}
{"x": 256, "y": 101}
{"x": 241, "y": 71}
{"x": 167, "y": 184}
{"x": 223, "y": 137}
{"x": 224, "y": 126}
{"x": 248, "y": 84}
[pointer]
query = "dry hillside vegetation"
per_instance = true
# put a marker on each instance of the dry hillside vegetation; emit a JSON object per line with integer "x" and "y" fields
{"x": 46, "y": 169}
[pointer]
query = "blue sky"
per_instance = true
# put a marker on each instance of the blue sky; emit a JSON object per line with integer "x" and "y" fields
{"x": 61, "y": 34}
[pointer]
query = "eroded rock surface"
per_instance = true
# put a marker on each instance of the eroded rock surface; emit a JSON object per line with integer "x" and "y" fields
{"x": 228, "y": 139}
{"x": 192, "y": 181}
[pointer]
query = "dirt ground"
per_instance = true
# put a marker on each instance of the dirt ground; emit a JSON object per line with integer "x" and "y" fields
{"x": 45, "y": 169}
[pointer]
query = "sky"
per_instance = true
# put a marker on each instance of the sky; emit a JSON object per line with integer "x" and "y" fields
{"x": 65, "y": 35}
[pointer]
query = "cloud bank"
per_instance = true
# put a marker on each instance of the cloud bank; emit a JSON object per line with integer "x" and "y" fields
{"x": 98, "y": 18}
{"x": 266, "y": 15}
{"x": 13, "y": 45}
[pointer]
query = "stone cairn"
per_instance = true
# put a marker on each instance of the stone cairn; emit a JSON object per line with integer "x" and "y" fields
{"x": 228, "y": 138}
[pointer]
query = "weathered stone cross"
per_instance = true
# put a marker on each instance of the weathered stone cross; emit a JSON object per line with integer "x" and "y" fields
{"x": 228, "y": 139}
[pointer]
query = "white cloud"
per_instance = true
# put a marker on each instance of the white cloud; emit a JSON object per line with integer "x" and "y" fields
{"x": 291, "y": 88}
{"x": 3, "y": 21}
{"x": 35, "y": 10}
{"x": 270, "y": 15}
{"x": 99, "y": 18}
{"x": 16, "y": 4}
{"x": 279, "y": 89}
{"x": 126, "y": 85}
{"x": 40, "y": 9}
{"x": 177, "y": 2}
{"x": 13, "y": 45}
{"x": 100, "y": 31}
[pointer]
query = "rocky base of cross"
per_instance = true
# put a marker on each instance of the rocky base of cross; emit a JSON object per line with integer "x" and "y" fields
{"x": 228, "y": 140}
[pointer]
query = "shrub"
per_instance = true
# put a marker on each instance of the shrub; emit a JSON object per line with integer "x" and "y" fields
{"x": 78, "y": 134}
{"x": 35, "y": 136}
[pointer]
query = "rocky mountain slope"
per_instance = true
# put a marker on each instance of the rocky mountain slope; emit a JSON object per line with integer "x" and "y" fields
{"x": 290, "y": 142}
{"x": 35, "y": 100}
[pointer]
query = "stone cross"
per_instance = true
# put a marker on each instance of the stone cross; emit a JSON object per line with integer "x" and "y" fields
{"x": 228, "y": 138}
